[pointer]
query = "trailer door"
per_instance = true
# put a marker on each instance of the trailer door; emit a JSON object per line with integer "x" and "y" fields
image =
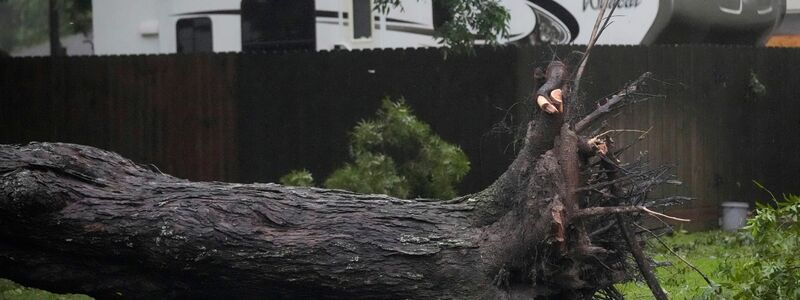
{"x": 269, "y": 25}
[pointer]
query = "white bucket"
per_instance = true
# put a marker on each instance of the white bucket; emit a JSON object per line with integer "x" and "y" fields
{"x": 734, "y": 215}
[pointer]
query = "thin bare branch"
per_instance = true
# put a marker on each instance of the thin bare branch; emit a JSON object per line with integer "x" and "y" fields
{"x": 607, "y": 22}
{"x": 609, "y": 105}
{"x": 602, "y": 230}
{"x": 668, "y": 201}
{"x": 610, "y": 210}
{"x": 605, "y": 183}
{"x": 596, "y": 30}
{"x": 639, "y": 100}
{"x": 658, "y": 214}
{"x": 710, "y": 283}
{"x": 640, "y": 138}
{"x": 643, "y": 132}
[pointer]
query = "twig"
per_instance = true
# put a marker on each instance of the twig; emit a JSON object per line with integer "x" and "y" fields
{"x": 768, "y": 191}
{"x": 655, "y": 173}
{"x": 608, "y": 22}
{"x": 605, "y": 183}
{"x": 609, "y": 293}
{"x": 641, "y": 137}
{"x": 596, "y": 29}
{"x": 644, "y": 208}
{"x": 667, "y": 201}
{"x": 639, "y": 100}
{"x": 678, "y": 256}
{"x": 607, "y": 210}
{"x": 609, "y": 105}
{"x": 664, "y": 228}
{"x": 601, "y": 229}
{"x": 622, "y": 130}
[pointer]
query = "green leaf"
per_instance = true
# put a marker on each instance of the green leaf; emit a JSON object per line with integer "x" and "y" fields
{"x": 297, "y": 178}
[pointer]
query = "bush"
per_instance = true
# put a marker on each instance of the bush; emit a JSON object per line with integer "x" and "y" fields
{"x": 371, "y": 173}
{"x": 773, "y": 272}
{"x": 759, "y": 262}
{"x": 399, "y": 155}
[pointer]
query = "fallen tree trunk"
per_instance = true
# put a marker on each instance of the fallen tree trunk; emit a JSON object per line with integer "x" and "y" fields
{"x": 79, "y": 214}
{"x": 75, "y": 214}
{"x": 79, "y": 219}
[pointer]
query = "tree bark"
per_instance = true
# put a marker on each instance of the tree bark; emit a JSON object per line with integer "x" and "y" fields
{"x": 79, "y": 219}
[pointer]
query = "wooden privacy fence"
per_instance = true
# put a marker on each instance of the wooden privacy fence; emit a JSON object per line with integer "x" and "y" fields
{"x": 254, "y": 117}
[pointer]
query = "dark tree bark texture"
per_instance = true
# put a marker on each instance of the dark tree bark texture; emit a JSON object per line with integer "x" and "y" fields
{"x": 79, "y": 219}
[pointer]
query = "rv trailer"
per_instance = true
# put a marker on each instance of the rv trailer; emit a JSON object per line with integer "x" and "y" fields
{"x": 186, "y": 26}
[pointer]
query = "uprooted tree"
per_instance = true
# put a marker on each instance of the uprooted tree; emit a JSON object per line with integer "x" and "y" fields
{"x": 554, "y": 224}
{"x": 557, "y": 224}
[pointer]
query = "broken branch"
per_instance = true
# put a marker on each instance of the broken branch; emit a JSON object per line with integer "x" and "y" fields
{"x": 611, "y": 103}
{"x": 640, "y": 138}
{"x": 641, "y": 261}
{"x": 607, "y": 210}
{"x": 596, "y": 31}
{"x": 622, "y": 130}
{"x": 677, "y": 255}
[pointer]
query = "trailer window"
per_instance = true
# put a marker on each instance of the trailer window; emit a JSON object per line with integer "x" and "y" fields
{"x": 278, "y": 25}
{"x": 194, "y": 35}
{"x": 362, "y": 19}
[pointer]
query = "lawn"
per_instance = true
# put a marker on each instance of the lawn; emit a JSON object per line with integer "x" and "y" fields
{"x": 10, "y": 290}
{"x": 711, "y": 252}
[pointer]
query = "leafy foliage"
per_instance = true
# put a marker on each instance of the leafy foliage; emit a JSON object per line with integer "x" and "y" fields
{"x": 297, "y": 178}
{"x": 747, "y": 267}
{"x": 759, "y": 262}
{"x": 10, "y": 290}
{"x": 396, "y": 154}
{"x": 773, "y": 272}
{"x": 468, "y": 21}
{"x": 27, "y": 21}
{"x": 373, "y": 173}
{"x": 399, "y": 155}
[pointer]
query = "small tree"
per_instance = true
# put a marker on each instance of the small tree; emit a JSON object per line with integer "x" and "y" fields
{"x": 397, "y": 154}
{"x": 465, "y": 22}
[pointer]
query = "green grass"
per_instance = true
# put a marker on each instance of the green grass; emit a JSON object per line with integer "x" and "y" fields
{"x": 711, "y": 252}
{"x": 10, "y": 290}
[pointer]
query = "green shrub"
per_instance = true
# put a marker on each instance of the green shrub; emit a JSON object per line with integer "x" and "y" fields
{"x": 297, "y": 178}
{"x": 397, "y": 154}
{"x": 371, "y": 173}
{"x": 773, "y": 272}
